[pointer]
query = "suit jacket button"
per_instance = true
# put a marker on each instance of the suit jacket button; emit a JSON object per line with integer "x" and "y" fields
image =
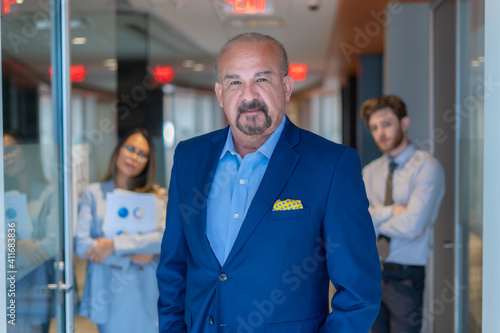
{"x": 210, "y": 320}
{"x": 223, "y": 277}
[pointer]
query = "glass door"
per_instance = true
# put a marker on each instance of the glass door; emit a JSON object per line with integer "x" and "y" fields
{"x": 473, "y": 92}
{"x": 36, "y": 270}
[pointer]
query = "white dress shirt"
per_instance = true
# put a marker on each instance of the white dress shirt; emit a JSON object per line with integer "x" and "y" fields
{"x": 418, "y": 184}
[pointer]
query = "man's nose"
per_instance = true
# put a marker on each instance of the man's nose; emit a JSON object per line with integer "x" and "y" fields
{"x": 379, "y": 132}
{"x": 250, "y": 93}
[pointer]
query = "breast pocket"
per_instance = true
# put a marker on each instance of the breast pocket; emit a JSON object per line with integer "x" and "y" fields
{"x": 290, "y": 214}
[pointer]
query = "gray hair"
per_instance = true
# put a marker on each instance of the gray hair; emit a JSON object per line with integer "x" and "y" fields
{"x": 248, "y": 37}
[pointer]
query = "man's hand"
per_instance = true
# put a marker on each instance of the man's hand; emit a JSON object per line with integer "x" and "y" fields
{"x": 397, "y": 209}
{"x": 100, "y": 251}
{"x": 142, "y": 259}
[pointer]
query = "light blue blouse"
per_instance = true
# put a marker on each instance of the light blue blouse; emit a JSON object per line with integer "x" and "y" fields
{"x": 119, "y": 296}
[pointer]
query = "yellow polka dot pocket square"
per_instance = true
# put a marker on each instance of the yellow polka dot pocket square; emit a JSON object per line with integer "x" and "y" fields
{"x": 287, "y": 204}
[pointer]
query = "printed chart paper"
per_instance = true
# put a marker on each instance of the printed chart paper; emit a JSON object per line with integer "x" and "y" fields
{"x": 16, "y": 211}
{"x": 129, "y": 213}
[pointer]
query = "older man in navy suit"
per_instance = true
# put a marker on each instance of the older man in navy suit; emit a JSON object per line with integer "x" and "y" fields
{"x": 262, "y": 215}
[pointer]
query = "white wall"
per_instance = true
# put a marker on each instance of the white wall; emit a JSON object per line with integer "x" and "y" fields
{"x": 406, "y": 65}
{"x": 491, "y": 189}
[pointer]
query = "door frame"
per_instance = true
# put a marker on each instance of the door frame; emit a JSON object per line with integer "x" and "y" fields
{"x": 61, "y": 103}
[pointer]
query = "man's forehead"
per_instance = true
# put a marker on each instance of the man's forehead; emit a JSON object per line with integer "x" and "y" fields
{"x": 382, "y": 114}
{"x": 256, "y": 48}
{"x": 260, "y": 73}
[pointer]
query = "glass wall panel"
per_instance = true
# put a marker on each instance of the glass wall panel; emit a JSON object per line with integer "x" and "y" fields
{"x": 470, "y": 135}
{"x": 321, "y": 114}
{"x": 94, "y": 115}
{"x": 32, "y": 225}
{"x": 187, "y": 113}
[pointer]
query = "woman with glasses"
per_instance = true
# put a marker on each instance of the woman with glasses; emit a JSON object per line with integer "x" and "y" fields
{"x": 120, "y": 291}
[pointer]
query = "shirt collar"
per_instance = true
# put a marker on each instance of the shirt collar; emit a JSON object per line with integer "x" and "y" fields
{"x": 404, "y": 156}
{"x": 266, "y": 149}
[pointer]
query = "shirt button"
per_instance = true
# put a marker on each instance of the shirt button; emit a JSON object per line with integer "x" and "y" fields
{"x": 223, "y": 277}
{"x": 236, "y": 216}
{"x": 210, "y": 320}
{"x": 242, "y": 181}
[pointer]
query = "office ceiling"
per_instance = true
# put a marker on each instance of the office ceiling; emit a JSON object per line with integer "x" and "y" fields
{"x": 172, "y": 31}
{"x": 208, "y": 24}
{"x": 323, "y": 34}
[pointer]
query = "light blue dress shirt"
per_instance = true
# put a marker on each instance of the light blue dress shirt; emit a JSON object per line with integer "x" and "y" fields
{"x": 235, "y": 183}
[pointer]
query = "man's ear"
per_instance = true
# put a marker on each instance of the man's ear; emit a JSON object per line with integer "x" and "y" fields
{"x": 288, "y": 85}
{"x": 218, "y": 93}
{"x": 405, "y": 123}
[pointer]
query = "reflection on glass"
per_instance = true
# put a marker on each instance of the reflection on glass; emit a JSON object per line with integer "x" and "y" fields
{"x": 30, "y": 216}
{"x": 472, "y": 95}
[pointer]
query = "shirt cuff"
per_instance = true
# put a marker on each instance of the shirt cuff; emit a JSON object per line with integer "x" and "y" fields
{"x": 380, "y": 215}
{"x": 121, "y": 248}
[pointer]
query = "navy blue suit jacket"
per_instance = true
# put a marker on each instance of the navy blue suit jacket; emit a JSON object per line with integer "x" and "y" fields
{"x": 276, "y": 277}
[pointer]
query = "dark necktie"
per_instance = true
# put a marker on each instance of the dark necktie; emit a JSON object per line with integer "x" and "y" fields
{"x": 383, "y": 242}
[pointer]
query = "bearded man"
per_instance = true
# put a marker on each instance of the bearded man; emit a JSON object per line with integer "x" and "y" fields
{"x": 405, "y": 187}
{"x": 262, "y": 215}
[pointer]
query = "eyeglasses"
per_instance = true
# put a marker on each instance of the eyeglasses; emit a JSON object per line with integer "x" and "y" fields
{"x": 140, "y": 154}
{"x": 9, "y": 150}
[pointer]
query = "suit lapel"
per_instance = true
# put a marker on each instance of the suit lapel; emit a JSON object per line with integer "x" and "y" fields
{"x": 207, "y": 164}
{"x": 279, "y": 170}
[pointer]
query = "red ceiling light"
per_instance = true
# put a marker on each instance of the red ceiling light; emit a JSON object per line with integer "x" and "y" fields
{"x": 6, "y": 5}
{"x": 77, "y": 73}
{"x": 248, "y": 6}
{"x": 163, "y": 74}
{"x": 297, "y": 71}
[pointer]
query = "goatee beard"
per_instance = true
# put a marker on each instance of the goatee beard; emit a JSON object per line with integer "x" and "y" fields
{"x": 252, "y": 128}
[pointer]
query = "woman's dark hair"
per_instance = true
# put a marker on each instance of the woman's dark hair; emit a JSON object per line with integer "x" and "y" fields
{"x": 145, "y": 182}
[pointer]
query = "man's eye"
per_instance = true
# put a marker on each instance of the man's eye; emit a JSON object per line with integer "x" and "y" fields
{"x": 261, "y": 80}
{"x": 386, "y": 124}
{"x": 232, "y": 83}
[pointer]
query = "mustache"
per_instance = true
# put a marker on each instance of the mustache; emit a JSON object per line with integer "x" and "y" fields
{"x": 253, "y": 105}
